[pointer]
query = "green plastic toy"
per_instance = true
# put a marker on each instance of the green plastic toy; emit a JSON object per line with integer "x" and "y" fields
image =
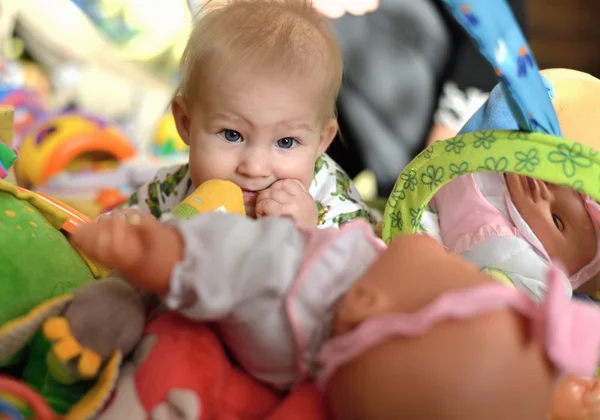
{"x": 38, "y": 273}
{"x": 548, "y": 158}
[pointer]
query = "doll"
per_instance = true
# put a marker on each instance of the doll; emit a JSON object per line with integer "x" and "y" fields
{"x": 518, "y": 224}
{"x": 295, "y": 302}
{"x": 514, "y": 225}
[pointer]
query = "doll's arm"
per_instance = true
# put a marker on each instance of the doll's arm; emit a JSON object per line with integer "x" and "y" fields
{"x": 516, "y": 259}
{"x": 230, "y": 259}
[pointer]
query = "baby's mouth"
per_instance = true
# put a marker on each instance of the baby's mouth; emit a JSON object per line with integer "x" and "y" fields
{"x": 249, "y": 195}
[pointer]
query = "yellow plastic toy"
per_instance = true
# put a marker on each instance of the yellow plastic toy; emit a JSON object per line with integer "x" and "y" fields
{"x": 69, "y": 142}
{"x": 7, "y": 127}
{"x": 212, "y": 196}
{"x": 166, "y": 138}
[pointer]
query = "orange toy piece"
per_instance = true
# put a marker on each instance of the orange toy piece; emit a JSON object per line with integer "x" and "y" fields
{"x": 109, "y": 199}
{"x": 75, "y": 218}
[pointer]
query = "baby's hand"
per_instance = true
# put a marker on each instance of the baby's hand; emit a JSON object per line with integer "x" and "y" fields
{"x": 577, "y": 399}
{"x": 141, "y": 249}
{"x": 287, "y": 197}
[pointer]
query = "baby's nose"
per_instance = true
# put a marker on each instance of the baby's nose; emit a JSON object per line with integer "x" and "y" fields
{"x": 255, "y": 165}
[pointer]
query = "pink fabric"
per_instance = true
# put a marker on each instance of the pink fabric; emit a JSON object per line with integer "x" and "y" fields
{"x": 593, "y": 268}
{"x": 570, "y": 329}
{"x": 466, "y": 217}
{"x": 523, "y": 228}
{"x": 319, "y": 241}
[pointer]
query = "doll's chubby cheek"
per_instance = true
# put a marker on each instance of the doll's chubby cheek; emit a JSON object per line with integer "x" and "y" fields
{"x": 577, "y": 399}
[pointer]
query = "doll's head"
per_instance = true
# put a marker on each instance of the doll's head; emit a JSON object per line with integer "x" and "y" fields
{"x": 489, "y": 366}
{"x": 576, "y": 99}
{"x": 560, "y": 218}
{"x": 256, "y": 102}
{"x": 565, "y": 222}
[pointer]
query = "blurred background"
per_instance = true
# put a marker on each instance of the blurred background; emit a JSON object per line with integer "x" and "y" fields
{"x": 565, "y": 33}
{"x": 91, "y": 82}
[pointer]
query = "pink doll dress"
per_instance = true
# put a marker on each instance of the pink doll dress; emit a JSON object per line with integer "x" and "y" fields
{"x": 569, "y": 328}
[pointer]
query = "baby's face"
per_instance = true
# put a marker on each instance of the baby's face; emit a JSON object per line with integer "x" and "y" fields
{"x": 558, "y": 217}
{"x": 254, "y": 130}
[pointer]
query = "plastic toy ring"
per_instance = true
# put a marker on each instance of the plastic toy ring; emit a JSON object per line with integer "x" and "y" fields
{"x": 26, "y": 394}
{"x": 9, "y": 412}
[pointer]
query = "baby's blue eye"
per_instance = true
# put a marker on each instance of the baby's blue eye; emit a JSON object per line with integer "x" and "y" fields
{"x": 231, "y": 135}
{"x": 286, "y": 143}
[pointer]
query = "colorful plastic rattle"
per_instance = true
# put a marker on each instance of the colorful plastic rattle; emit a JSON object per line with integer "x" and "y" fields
{"x": 16, "y": 399}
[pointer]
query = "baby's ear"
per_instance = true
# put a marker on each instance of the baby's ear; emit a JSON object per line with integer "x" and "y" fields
{"x": 182, "y": 119}
{"x": 360, "y": 303}
{"x": 330, "y": 129}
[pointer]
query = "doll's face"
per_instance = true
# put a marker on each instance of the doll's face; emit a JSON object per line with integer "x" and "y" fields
{"x": 558, "y": 218}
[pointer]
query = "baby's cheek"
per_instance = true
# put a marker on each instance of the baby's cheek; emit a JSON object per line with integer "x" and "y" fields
{"x": 299, "y": 166}
{"x": 306, "y": 179}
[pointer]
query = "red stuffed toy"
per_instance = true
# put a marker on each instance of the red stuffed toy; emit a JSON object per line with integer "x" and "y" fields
{"x": 181, "y": 370}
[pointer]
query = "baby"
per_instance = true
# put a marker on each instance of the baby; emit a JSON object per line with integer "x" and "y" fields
{"x": 256, "y": 105}
{"x": 517, "y": 225}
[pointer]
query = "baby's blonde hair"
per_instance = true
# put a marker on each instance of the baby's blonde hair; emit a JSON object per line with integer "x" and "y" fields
{"x": 288, "y": 36}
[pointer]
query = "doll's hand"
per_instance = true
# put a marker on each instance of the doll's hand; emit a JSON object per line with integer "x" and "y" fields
{"x": 125, "y": 213}
{"x": 287, "y": 197}
{"x": 577, "y": 399}
{"x": 142, "y": 250}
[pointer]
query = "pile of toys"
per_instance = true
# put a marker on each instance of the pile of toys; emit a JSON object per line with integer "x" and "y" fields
{"x": 91, "y": 97}
{"x": 84, "y": 159}
{"x": 78, "y": 343}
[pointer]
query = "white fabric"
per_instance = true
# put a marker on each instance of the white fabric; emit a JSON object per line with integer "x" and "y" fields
{"x": 239, "y": 272}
